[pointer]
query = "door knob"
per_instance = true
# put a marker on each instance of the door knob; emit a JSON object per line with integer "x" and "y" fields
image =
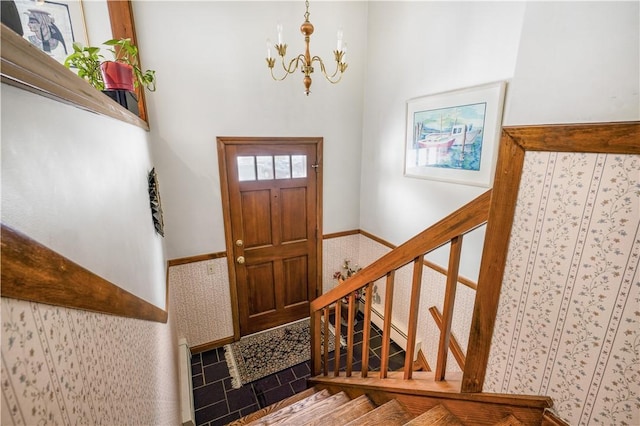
{"x": 239, "y": 243}
{"x": 240, "y": 260}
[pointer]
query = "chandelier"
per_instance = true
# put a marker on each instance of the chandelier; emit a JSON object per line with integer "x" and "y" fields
{"x": 305, "y": 61}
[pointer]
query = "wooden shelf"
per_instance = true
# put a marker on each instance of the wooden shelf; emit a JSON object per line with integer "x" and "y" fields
{"x": 25, "y": 66}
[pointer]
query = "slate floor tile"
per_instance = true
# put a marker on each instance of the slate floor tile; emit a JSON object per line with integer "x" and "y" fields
{"x": 217, "y": 403}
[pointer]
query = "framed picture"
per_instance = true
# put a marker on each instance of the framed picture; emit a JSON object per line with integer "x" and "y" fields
{"x": 53, "y": 26}
{"x": 452, "y": 136}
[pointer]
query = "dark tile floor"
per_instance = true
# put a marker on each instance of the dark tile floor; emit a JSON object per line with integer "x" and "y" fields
{"x": 217, "y": 403}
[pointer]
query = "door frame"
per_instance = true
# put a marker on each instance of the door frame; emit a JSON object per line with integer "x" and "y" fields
{"x": 222, "y": 143}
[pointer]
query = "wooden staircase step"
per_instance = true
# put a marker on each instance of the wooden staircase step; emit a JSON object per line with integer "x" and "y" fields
{"x": 388, "y": 414}
{"x": 347, "y": 412}
{"x": 437, "y": 416}
{"x": 317, "y": 410}
{"x": 511, "y": 420}
{"x": 273, "y": 407}
{"x": 273, "y": 417}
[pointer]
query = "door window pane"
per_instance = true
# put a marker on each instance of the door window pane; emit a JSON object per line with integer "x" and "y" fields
{"x": 299, "y": 166}
{"x": 265, "y": 167}
{"x": 246, "y": 168}
{"x": 283, "y": 167}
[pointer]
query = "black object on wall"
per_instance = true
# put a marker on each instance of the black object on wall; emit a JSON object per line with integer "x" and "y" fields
{"x": 10, "y": 16}
{"x": 125, "y": 98}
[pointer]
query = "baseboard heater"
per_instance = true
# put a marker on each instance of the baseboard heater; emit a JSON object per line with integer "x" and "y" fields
{"x": 187, "y": 412}
{"x": 397, "y": 334}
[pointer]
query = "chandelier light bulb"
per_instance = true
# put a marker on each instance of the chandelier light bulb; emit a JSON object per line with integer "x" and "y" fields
{"x": 279, "y": 29}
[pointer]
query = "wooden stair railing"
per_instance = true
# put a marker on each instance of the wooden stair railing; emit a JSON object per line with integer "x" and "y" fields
{"x": 449, "y": 230}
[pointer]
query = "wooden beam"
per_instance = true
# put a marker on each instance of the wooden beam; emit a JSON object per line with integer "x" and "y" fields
{"x": 494, "y": 254}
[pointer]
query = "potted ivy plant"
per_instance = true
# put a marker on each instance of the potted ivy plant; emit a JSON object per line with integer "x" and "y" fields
{"x": 124, "y": 72}
{"x": 121, "y": 73}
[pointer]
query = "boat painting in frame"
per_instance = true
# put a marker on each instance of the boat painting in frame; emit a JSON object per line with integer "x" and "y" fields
{"x": 453, "y": 136}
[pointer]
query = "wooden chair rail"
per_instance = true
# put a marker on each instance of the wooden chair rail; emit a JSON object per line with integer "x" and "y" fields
{"x": 32, "y": 271}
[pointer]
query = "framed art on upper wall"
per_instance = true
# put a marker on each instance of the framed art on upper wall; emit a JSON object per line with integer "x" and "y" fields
{"x": 53, "y": 26}
{"x": 453, "y": 136}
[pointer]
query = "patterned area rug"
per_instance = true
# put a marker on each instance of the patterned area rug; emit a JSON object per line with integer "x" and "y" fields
{"x": 267, "y": 352}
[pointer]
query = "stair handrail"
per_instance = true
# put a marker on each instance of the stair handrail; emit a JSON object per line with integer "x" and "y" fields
{"x": 464, "y": 220}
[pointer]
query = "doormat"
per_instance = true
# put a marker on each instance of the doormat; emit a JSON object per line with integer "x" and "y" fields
{"x": 261, "y": 354}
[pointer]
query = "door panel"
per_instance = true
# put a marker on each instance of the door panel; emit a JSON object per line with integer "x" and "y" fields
{"x": 295, "y": 269}
{"x": 261, "y": 289}
{"x": 257, "y": 227}
{"x": 272, "y": 228}
{"x": 294, "y": 214}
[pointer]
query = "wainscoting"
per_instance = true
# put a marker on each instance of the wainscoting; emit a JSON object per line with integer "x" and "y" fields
{"x": 568, "y": 322}
{"x": 67, "y": 366}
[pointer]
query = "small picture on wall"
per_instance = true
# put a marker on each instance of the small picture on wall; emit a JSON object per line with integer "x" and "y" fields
{"x": 53, "y": 26}
{"x": 452, "y": 136}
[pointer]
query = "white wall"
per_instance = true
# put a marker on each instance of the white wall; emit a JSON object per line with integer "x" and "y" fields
{"x": 578, "y": 62}
{"x": 77, "y": 183}
{"x": 213, "y": 81}
{"x": 416, "y": 49}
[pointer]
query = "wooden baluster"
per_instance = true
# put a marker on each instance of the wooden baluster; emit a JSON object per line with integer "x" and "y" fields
{"x": 416, "y": 285}
{"x": 336, "y": 353}
{"x": 350, "y": 327}
{"x": 449, "y": 300}
{"x": 366, "y": 328}
{"x": 314, "y": 335}
{"x": 386, "y": 327}
{"x": 454, "y": 346}
{"x": 325, "y": 341}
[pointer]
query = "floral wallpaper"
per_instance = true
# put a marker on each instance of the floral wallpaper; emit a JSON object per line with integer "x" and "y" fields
{"x": 568, "y": 319}
{"x": 194, "y": 288}
{"x": 66, "y": 366}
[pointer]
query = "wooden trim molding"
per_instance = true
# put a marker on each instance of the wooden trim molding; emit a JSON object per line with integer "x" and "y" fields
{"x": 462, "y": 280}
{"x": 608, "y": 138}
{"x": 194, "y": 259}
{"x": 123, "y": 26}
{"x": 34, "y": 272}
{"x": 341, "y": 234}
{"x": 212, "y": 345}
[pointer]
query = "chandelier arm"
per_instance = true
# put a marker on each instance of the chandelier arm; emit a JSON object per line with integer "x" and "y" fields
{"x": 293, "y": 63}
{"x": 329, "y": 78}
{"x": 279, "y": 79}
{"x": 288, "y": 70}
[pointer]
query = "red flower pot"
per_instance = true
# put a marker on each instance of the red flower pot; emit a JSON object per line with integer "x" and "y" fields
{"x": 117, "y": 76}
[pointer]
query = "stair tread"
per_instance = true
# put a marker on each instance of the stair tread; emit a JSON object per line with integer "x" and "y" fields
{"x": 273, "y": 408}
{"x": 511, "y": 420}
{"x": 437, "y": 415}
{"x": 347, "y": 412}
{"x": 388, "y": 414}
{"x": 319, "y": 409}
{"x": 282, "y": 413}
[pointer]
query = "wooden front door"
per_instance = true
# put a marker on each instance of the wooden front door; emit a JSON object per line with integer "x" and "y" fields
{"x": 271, "y": 199}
